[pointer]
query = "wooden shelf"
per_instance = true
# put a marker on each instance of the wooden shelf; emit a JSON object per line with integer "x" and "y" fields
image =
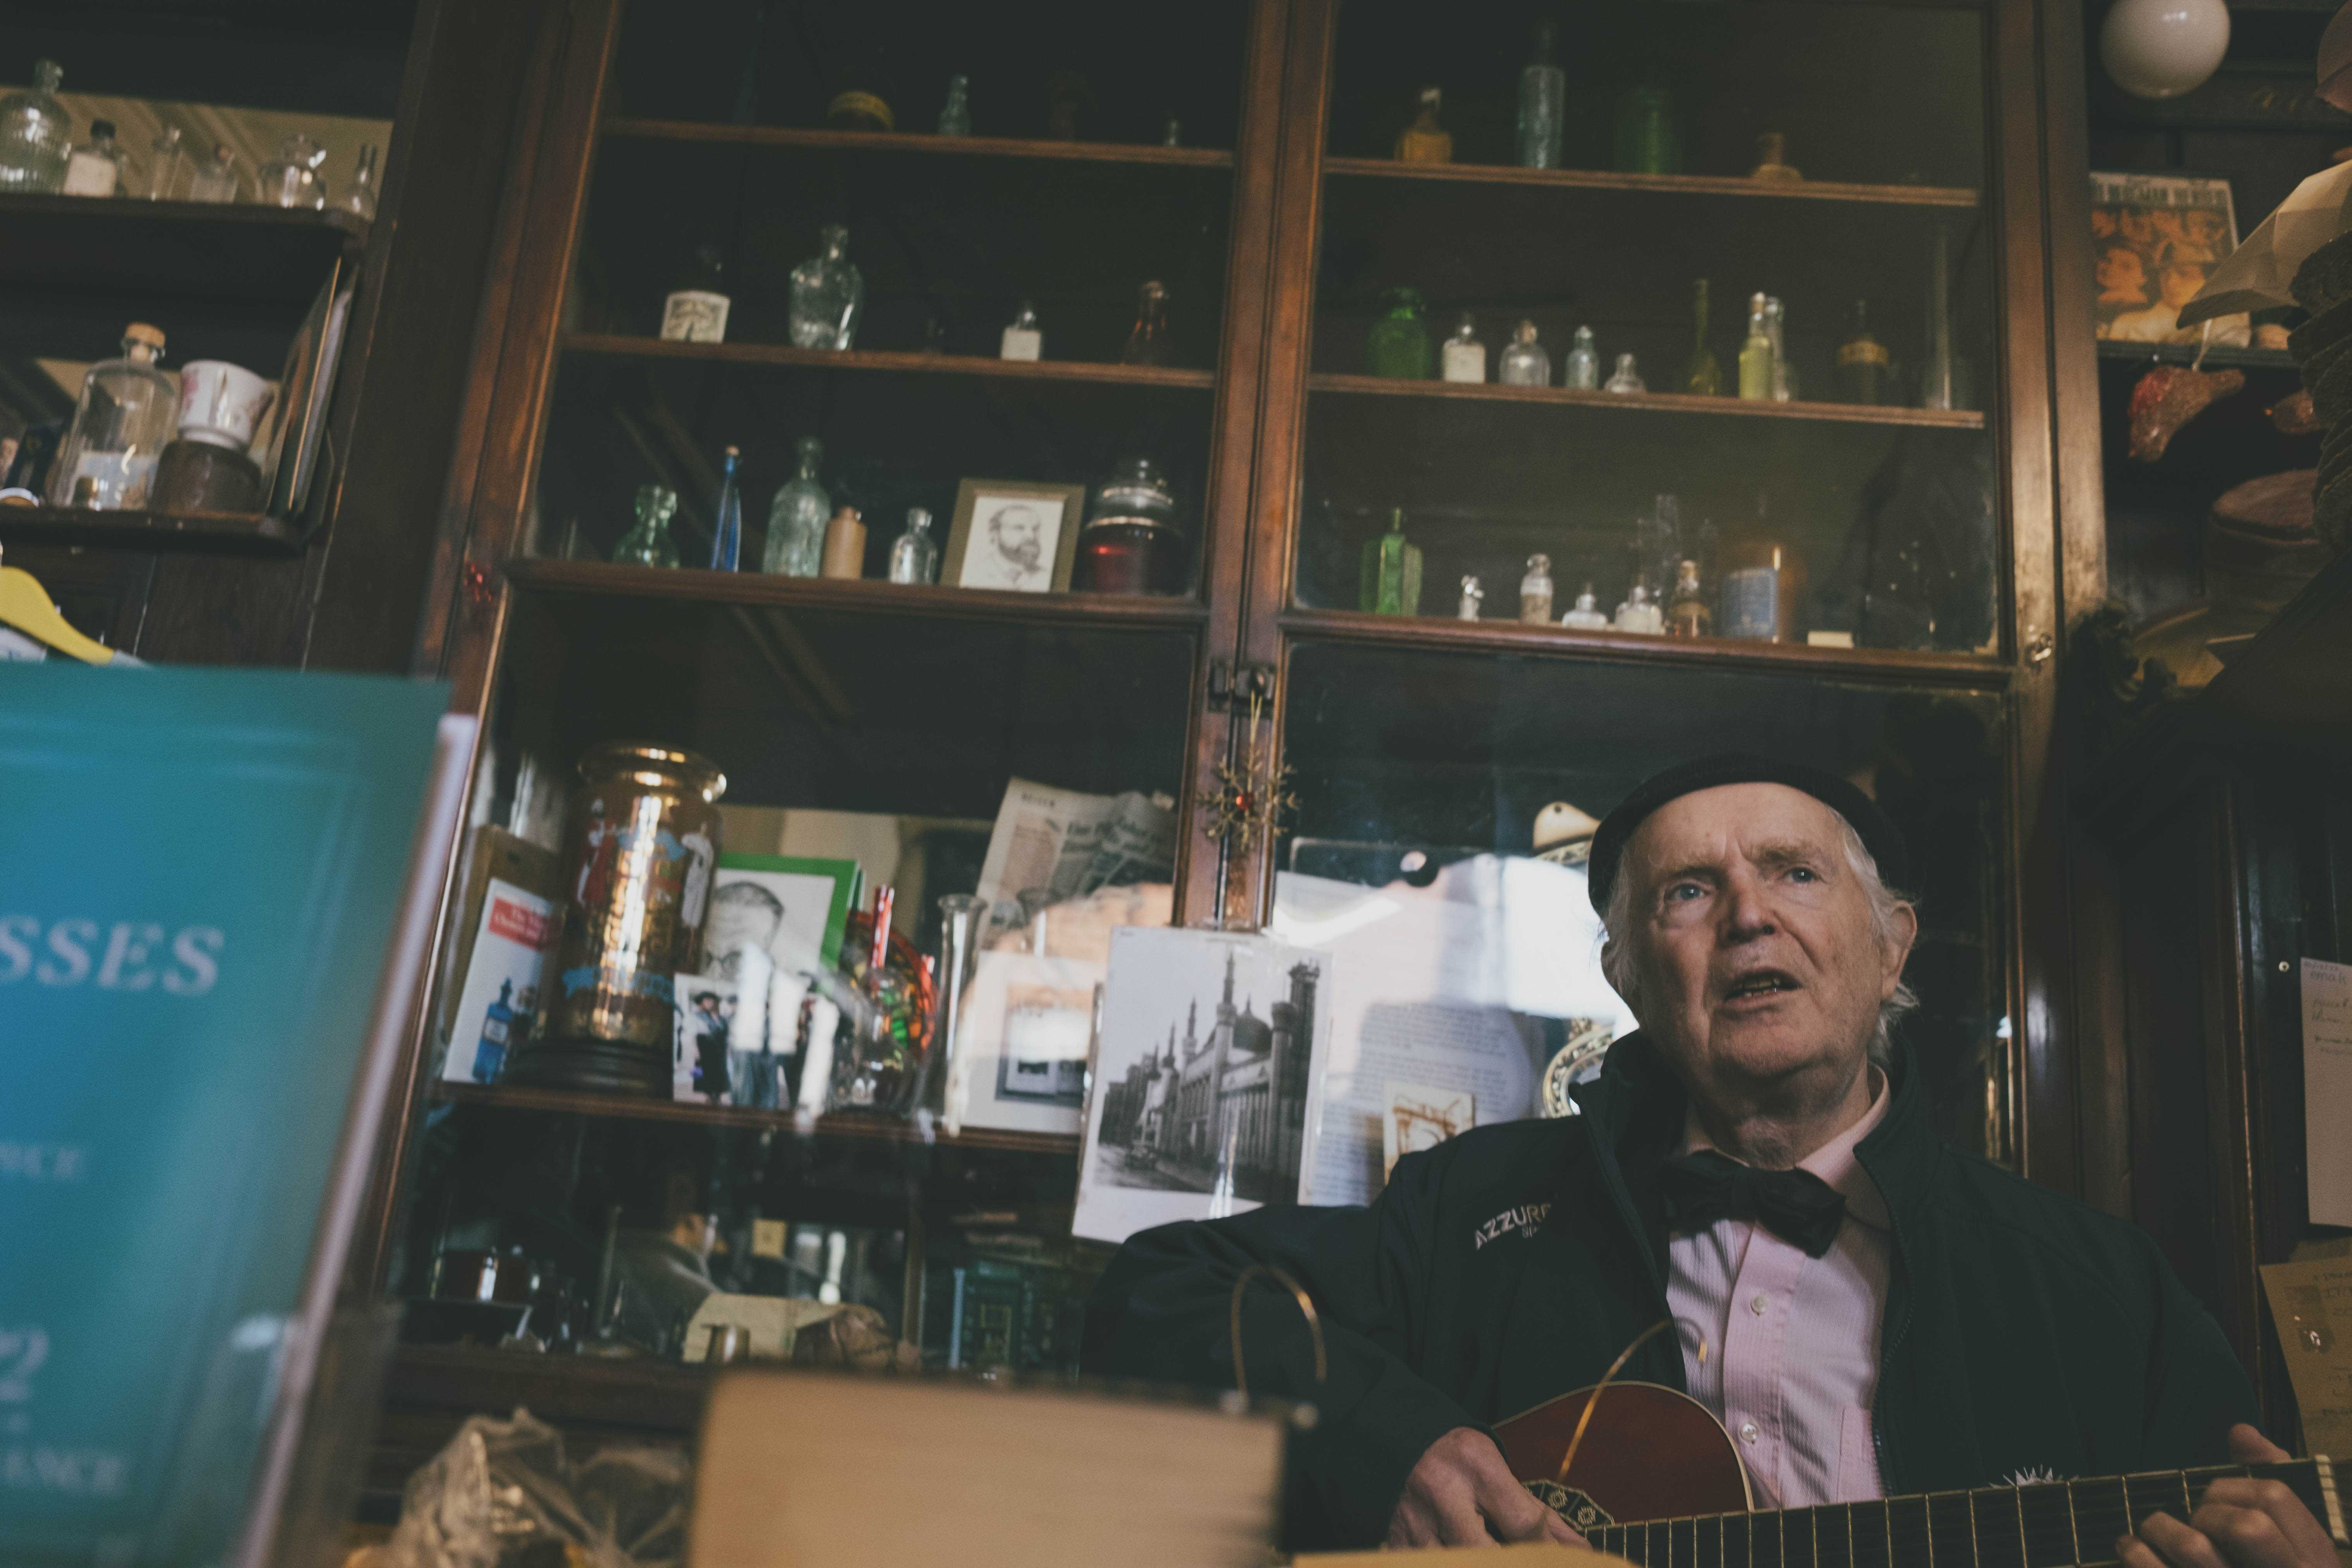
{"x": 177, "y": 532}
{"x": 1658, "y": 402}
{"x": 623, "y": 346}
{"x": 917, "y": 143}
{"x": 879, "y": 1129}
{"x": 864, "y": 596}
{"x": 158, "y": 253}
{"x": 1659, "y": 184}
{"x": 1969, "y": 671}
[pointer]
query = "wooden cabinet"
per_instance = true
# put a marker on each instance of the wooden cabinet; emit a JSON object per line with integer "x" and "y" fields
{"x": 1928, "y": 517}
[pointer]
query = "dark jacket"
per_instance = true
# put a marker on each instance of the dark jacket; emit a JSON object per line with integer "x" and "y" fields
{"x": 2024, "y": 1331}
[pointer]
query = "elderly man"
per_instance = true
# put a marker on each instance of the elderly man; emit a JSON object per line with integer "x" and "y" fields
{"x": 1869, "y": 1312}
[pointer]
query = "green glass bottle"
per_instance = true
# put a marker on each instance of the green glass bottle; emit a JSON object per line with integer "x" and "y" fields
{"x": 1756, "y": 354}
{"x": 1398, "y": 343}
{"x": 649, "y": 544}
{"x": 1701, "y": 374}
{"x": 1390, "y": 582}
{"x": 1647, "y": 140}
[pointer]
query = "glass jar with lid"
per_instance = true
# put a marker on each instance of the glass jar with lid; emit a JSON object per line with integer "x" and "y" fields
{"x": 127, "y": 413}
{"x": 1131, "y": 543}
{"x": 36, "y": 135}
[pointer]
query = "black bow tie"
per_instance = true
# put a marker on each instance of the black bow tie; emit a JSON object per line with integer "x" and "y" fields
{"x": 1795, "y": 1206}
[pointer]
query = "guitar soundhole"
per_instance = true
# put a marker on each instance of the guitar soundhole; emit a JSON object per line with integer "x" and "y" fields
{"x": 1580, "y": 1511}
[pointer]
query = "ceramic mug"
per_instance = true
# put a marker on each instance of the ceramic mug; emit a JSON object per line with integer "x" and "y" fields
{"x": 221, "y": 403}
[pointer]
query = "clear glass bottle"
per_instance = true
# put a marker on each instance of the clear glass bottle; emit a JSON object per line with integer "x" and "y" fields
{"x": 1862, "y": 361}
{"x": 1687, "y": 613}
{"x": 1701, "y": 374}
{"x": 1535, "y": 592}
{"x": 1628, "y": 378}
{"x": 828, "y": 295}
{"x": 1543, "y": 103}
{"x": 1637, "y": 614}
{"x": 36, "y": 133}
{"x": 1397, "y": 344}
{"x": 127, "y": 413}
{"x": 1171, "y": 134}
{"x": 1147, "y": 340}
{"x": 292, "y": 179}
{"x": 649, "y": 544}
{"x": 797, "y": 518}
{"x": 1524, "y": 361}
{"x": 915, "y": 555}
{"x": 1024, "y": 339}
{"x": 1784, "y": 376}
{"x": 1424, "y": 141}
{"x": 955, "y": 115}
{"x": 1587, "y": 615}
{"x": 217, "y": 178}
{"x": 97, "y": 168}
{"x": 1756, "y": 353}
{"x": 727, "y": 518}
{"x": 1472, "y": 594}
{"x": 165, "y": 159}
{"x": 357, "y": 198}
{"x": 1389, "y": 574}
{"x": 1583, "y": 364}
{"x": 1463, "y": 357}
{"x": 696, "y": 310}
{"x": 1772, "y": 159}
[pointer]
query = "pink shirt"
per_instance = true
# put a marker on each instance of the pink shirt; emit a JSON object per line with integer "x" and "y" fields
{"x": 1790, "y": 1342}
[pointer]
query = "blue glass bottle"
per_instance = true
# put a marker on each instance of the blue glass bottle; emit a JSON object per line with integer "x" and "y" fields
{"x": 727, "y": 523}
{"x": 498, "y": 1027}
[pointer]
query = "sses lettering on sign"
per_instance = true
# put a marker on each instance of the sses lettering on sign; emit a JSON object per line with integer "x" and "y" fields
{"x": 120, "y": 955}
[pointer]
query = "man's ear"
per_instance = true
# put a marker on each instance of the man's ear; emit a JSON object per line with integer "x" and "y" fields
{"x": 1899, "y": 939}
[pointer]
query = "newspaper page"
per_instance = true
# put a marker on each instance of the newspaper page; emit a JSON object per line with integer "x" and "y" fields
{"x": 1062, "y": 844}
{"x": 1443, "y": 987}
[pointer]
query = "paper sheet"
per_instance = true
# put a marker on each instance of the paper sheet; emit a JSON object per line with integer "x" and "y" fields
{"x": 2327, "y": 1090}
{"x": 2312, "y": 1305}
{"x": 1441, "y": 986}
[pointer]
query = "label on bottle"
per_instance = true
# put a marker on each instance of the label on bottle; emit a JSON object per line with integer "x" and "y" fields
{"x": 1022, "y": 342}
{"x": 1863, "y": 351}
{"x": 695, "y": 316}
{"x": 1465, "y": 362}
{"x": 1751, "y": 604}
{"x": 90, "y": 175}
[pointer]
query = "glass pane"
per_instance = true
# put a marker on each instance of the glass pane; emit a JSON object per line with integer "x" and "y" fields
{"x": 1821, "y": 418}
{"x": 1410, "y": 763}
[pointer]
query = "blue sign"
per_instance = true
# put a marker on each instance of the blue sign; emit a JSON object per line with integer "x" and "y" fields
{"x": 199, "y": 872}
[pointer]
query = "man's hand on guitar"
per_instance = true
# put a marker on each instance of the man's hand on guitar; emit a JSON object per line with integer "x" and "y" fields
{"x": 2239, "y": 1523}
{"x": 1461, "y": 1493}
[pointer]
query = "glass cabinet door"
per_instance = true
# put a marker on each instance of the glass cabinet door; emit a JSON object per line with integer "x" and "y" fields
{"x": 1627, "y": 288}
{"x": 1649, "y": 408}
{"x": 872, "y": 470}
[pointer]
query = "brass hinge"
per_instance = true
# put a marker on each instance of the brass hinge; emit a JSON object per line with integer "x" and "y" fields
{"x": 1234, "y": 683}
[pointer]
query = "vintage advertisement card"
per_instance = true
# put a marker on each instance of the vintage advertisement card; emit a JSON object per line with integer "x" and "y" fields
{"x": 2155, "y": 238}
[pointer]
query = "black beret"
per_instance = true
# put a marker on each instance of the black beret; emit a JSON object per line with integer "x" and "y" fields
{"x": 1876, "y": 829}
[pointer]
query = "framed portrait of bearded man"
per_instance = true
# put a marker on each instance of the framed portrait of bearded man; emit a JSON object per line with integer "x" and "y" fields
{"x": 1015, "y": 536}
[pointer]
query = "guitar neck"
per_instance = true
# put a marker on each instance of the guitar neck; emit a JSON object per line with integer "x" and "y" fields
{"x": 2052, "y": 1525}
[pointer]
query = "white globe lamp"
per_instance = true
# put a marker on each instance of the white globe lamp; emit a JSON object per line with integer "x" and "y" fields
{"x": 2162, "y": 48}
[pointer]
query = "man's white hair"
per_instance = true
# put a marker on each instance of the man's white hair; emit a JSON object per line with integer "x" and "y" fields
{"x": 1617, "y": 958}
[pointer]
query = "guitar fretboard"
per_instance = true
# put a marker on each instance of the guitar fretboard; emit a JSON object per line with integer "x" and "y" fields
{"x": 2055, "y": 1524}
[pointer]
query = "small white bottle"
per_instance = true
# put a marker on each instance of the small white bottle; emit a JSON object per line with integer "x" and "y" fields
{"x": 96, "y": 169}
{"x": 1587, "y": 615}
{"x": 1637, "y": 614}
{"x": 1535, "y": 592}
{"x": 1466, "y": 356}
{"x": 1583, "y": 362}
{"x": 1024, "y": 339}
{"x": 1471, "y": 594}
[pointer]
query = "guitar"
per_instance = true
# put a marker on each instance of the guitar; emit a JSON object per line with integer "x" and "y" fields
{"x": 1658, "y": 1481}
